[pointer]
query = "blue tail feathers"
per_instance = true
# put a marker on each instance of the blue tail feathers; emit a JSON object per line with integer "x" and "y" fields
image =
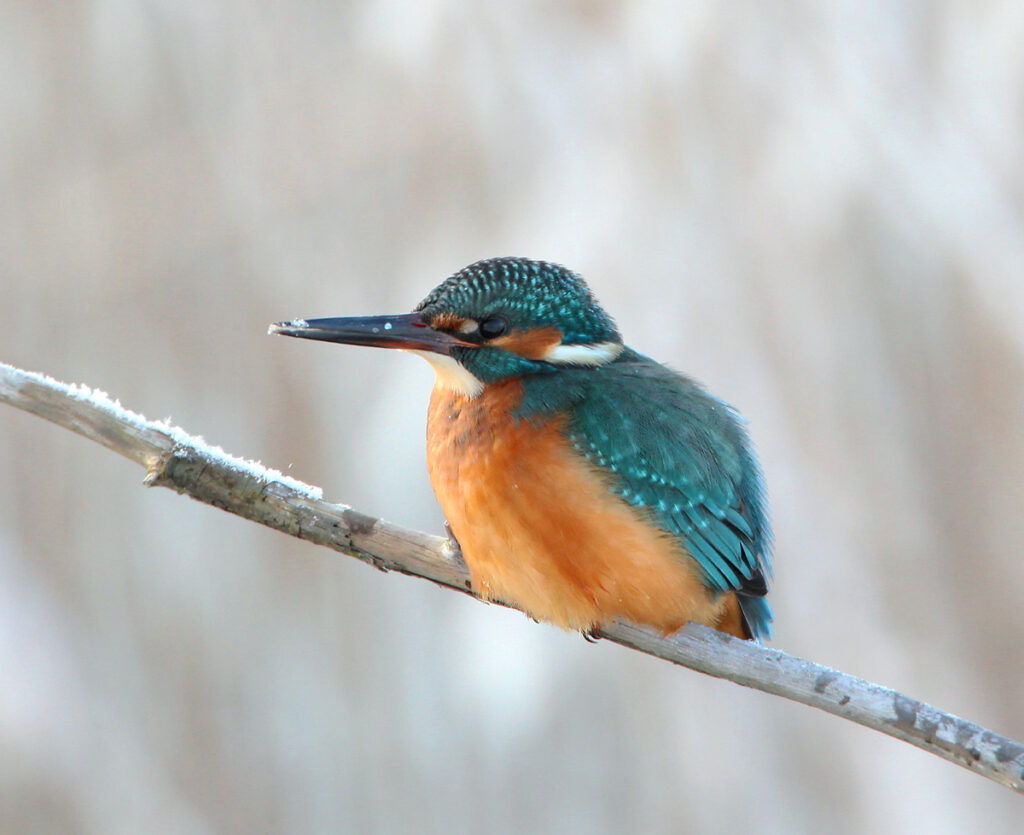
{"x": 757, "y": 616}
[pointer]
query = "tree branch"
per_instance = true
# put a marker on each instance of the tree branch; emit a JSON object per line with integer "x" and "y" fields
{"x": 185, "y": 463}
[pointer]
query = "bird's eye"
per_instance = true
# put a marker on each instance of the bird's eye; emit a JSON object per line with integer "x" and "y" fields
{"x": 493, "y": 327}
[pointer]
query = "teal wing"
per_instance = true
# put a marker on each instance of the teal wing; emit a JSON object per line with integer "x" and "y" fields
{"x": 676, "y": 450}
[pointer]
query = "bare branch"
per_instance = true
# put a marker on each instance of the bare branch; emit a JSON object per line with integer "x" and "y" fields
{"x": 187, "y": 464}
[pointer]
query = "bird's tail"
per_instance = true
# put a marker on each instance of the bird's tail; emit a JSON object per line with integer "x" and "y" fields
{"x": 757, "y": 617}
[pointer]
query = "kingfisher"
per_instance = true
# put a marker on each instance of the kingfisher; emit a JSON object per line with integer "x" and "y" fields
{"x": 582, "y": 480}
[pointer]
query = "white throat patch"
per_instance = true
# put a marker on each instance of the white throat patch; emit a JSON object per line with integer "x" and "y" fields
{"x": 450, "y": 375}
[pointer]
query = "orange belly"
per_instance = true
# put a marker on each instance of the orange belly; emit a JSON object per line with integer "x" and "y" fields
{"x": 540, "y": 528}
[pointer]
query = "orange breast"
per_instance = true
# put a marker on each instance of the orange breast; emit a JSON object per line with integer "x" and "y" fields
{"x": 540, "y": 528}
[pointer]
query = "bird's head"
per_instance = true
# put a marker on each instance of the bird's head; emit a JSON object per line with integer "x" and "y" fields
{"x": 491, "y": 321}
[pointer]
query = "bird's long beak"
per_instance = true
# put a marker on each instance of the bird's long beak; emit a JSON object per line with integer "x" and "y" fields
{"x": 407, "y": 331}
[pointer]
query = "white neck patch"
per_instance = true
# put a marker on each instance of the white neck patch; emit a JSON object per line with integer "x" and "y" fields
{"x": 589, "y": 355}
{"x": 450, "y": 375}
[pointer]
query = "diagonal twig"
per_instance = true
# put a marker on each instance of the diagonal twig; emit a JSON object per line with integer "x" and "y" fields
{"x": 189, "y": 465}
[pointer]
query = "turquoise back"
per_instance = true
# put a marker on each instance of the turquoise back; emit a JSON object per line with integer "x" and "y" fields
{"x": 674, "y": 449}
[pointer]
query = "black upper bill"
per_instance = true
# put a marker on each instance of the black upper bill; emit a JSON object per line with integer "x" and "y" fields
{"x": 406, "y": 331}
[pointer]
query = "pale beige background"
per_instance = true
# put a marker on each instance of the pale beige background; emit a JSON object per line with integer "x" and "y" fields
{"x": 815, "y": 208}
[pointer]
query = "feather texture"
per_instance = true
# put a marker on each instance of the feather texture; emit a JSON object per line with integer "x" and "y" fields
{"x": 675, "y": 450}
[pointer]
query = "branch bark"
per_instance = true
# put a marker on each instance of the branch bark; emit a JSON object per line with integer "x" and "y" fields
{"x": 187, "y": 464}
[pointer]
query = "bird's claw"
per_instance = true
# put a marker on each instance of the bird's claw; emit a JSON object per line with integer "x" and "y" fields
{"x": 453, "y": 543}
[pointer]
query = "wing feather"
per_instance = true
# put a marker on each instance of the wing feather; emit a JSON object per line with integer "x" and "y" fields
{"x": 675, "y": 450}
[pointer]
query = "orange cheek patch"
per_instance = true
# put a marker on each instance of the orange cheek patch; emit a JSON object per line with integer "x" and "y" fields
{"x": 447, "y": 322}
{"x": 533, "y": 344}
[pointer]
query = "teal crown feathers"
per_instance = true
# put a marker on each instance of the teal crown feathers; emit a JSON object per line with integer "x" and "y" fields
{"x": 528, "y": 294}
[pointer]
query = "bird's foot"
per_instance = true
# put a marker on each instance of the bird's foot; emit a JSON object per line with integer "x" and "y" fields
{"x": 453, "y": 543}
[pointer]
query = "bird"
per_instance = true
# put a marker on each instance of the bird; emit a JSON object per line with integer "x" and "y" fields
{"x": 582, "y": 481}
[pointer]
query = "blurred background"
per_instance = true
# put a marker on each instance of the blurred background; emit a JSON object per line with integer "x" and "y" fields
{"x": 816, "y": 209}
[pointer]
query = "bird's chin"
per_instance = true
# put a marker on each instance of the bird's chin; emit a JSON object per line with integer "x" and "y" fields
{"x": 449, "y": 374}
